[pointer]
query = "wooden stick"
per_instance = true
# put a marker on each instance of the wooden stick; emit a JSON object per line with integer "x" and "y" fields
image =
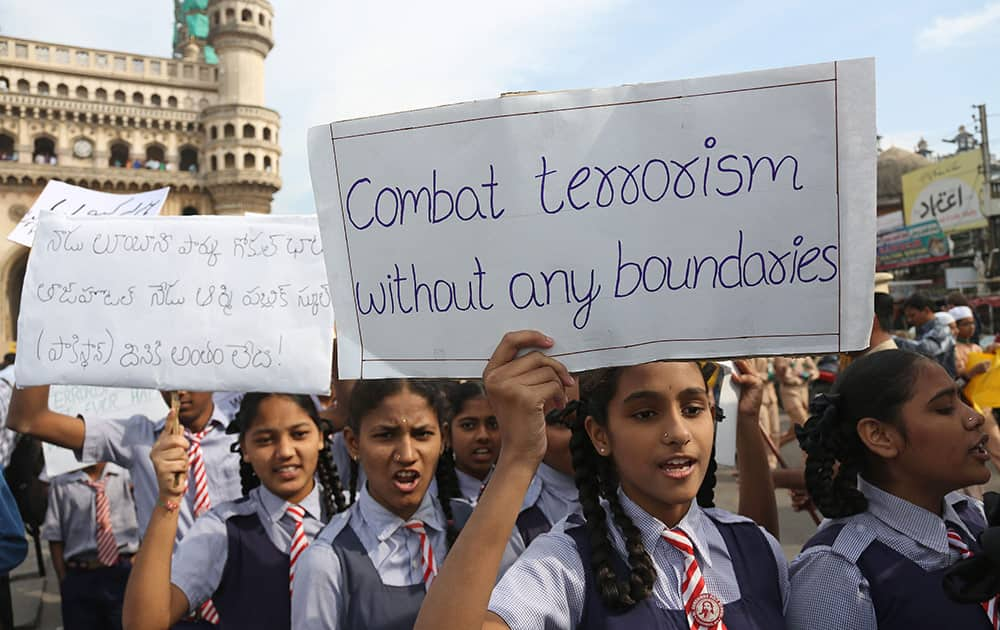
{"x": 781, "y": 462}
{"x": 174, "y": 426}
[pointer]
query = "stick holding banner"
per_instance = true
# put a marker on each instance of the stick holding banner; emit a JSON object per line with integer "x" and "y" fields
{"x": 174, "y": 426}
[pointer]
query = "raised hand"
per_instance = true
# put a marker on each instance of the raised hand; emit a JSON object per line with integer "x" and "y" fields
{"x": 170, "y": 461}
{"x": 522, "y": 388}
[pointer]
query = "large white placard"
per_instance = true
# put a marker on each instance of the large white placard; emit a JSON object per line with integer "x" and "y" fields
{"x": 96, "y": 402}
{"x": 726, "y": 216}
{"x": 62, "y": 198}
{"x": 197, "y": 303}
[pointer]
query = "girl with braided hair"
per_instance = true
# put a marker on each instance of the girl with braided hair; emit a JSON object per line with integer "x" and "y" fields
{"x": 244, "y": 552}
{"x": 371, "y": 566}
{"x": 645, "y": 554}
{"x": 886, "y": 452}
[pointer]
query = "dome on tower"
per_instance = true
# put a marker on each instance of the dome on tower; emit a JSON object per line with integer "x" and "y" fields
{"x": 893, "y": 163}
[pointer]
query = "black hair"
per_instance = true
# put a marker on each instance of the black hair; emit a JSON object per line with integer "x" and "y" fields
{"x": 884, "y": 311}
{"x": 597, "y": 477}
{"x": 368, "y": 395}
{"x": 461, "y": 393}
{"x": 919, "y": 301}
{"x": 331, "y": 491}
{"x": 874, "y": 386}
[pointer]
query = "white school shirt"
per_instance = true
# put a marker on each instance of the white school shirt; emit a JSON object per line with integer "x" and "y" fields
{"x": 200, "y": 559}
{"x": 128, "y": 442}
{"x": 831, "y": 592}
{"x": 468, "y": 486}
{"x": 546, "y": 587}
{"x": 318, "y": 597}
{"x": 71, "y": 517}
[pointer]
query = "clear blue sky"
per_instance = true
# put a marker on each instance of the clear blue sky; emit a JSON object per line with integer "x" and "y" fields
{"x": 337, "y": 60}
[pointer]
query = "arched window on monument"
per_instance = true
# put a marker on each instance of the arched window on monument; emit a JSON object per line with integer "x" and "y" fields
{"x": 230, "y": 161}
{"x": 249, "y": 161}
{"x": 119, "y": 154}
{"x": 249, "y": 131}
{"x": 189, "y": 159}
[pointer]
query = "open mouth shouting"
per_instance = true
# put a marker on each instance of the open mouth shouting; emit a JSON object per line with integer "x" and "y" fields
{"x": 406, "y": 480}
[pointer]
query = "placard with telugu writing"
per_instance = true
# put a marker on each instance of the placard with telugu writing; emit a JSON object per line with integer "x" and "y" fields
{"x": 198, "y": 303}
{"x": 62, "y": 198}
{"x": 689, "y": 219}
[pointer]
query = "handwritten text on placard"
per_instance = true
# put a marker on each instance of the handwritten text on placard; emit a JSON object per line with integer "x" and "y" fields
{"x": 65, "y": 199}
{"x": 206, "y": 303}
{"x": 690, "y": 219}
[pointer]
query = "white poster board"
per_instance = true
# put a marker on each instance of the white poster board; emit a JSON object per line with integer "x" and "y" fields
{"x": 199, "y": 303}
{"x": 65, "y": 199}
{"x": 96, "y": 402}
{"x": 689, "y": 219}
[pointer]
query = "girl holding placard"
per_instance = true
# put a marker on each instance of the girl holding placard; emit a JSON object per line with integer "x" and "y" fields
{"x": 244, "y": 552}
{"x": 649, "y": 551}
{"x": 371, "y": 566}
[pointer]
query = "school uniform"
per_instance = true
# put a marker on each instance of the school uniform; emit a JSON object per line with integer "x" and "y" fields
{"x": 553, "y": 586}
{"x": 883, "y": 568}
{"x": 367, "y": 569}
{"x": 238, "y": 555}
{"x": 97, "y": 568}
{"x": 128, "y": 442}
{"x": 551, "y": 497}
{"x": 469, "y": 487}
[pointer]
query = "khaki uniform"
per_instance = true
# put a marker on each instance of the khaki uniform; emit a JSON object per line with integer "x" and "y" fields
{"x": 770, "y": 422}
{"x": 794, "y": 376}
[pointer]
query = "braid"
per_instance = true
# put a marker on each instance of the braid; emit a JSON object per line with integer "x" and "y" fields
{"x": 836, "y": 495}
{"x": 248, "y": 478}
{"x": 643, "y": 574}
{"x": 706, "y": 492}
{"x": 595, "y": 476}
{"x": 447, "y": 484}
{"x": 332, "y": 492}
{"x": 353, "y": 485}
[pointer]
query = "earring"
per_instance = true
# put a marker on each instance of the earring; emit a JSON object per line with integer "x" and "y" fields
{"x": 602, "y": 450}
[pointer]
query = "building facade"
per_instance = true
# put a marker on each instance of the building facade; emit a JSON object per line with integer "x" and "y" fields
{"x": 120, "y": 122}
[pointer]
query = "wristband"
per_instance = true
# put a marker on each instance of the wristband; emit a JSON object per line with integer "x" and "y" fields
{"x": 168, "y": 505}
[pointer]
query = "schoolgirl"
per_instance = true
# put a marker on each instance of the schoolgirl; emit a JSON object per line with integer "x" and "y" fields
{"x": 646, "y": 553}
{"x": 473, "y": 437}
{"x": 885, "y": 452}
{"x": 235, "y": 565}
{"x": 370, "y": 567}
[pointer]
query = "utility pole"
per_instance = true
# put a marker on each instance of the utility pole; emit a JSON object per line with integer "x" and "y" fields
{"x": 987, "y": 192}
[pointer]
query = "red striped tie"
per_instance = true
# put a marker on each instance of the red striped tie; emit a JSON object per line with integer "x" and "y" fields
{"x": 299, "y": 541}
{"x": 990, "y": 606}
{"x": 703, "y": 609}
{"x": 426, "y": 553}
{"x": 107, "y": 548}
{"x": 202, "y": 502}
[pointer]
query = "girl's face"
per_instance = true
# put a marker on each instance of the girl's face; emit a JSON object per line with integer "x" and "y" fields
{"x": 475, "y": 438}
{"x": 659, "y": 432}
{"x": 398, "y": 445}
{"x": 943, "y": 444}
{"x": 283, "y": 444}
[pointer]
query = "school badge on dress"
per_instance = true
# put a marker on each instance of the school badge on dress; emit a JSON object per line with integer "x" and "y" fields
{"x": 707, "y": 610}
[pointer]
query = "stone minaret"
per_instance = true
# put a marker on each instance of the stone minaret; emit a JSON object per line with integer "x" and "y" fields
{"x": 242, "y": 134}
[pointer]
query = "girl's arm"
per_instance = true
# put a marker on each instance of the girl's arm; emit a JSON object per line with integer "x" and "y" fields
{"x": 757, "y": 500}
{"x": 29, "y": 413}
{"x": 519, "y": 389}
{"x": 151, "y": 601}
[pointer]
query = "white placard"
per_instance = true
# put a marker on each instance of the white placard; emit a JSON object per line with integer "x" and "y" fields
{"x": 198, "y": 303}
{"x": 62, "y": 198}
{"x": 727, "y": 216}
{"x": 96, "y": 402}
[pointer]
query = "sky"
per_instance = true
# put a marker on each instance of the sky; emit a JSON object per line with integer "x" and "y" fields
{"x": 337, "y": 60}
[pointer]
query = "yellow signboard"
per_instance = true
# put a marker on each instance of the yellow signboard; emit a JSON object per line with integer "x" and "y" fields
{"x": 949, "y": 191}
